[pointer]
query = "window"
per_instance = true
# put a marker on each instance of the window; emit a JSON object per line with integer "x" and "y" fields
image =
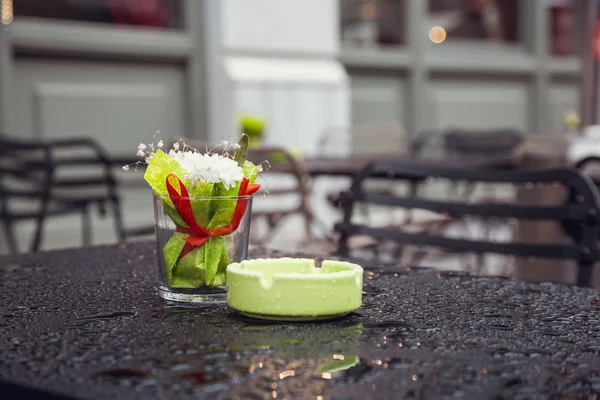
{"x": 368, "y": 23}
{"x": 162, "y": 14}
{"x": 563, "y": 35}
{"x": 477, "y": 20}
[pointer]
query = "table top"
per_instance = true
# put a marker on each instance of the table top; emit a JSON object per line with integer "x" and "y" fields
{"x": 88, "y": 323}
{"x": 351, "y": 165}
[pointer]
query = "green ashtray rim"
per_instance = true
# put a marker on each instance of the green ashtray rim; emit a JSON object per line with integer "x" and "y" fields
{"x": 294, "y": 289}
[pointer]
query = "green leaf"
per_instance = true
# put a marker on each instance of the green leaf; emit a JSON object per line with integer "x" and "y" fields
{"x": 203, "y": 209}
{"x": 223, "y": 209}
{"x": 240, "y": 154}
{"x": 250, "y": 171}
{"x": 159, "y": 167}
{"x": 205, "y": 265}
{"x": 212, "y": 258}
{"x": 190, "y": 271}
{"x": 171, "y": 252}
{"x": 224, "y": 262}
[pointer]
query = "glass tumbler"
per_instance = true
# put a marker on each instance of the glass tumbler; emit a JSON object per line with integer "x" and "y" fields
{"x": 197, "y": 239}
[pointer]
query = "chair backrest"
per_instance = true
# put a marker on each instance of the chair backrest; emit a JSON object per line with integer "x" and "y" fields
{"x": 482, "y": 143}
{"x": 579, "y": 214}
{"x": 39, "y": 178}
{"x": 499, "y": 147}
{"x": 26, "y": 175}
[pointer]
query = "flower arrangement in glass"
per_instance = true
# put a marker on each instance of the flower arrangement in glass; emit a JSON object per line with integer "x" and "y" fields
{"x": 202, "y": 207}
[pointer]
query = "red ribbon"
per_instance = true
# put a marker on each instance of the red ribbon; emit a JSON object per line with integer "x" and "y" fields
{"x": 197, "y": 234}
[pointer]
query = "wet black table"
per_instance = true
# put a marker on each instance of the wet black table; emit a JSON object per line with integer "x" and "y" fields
{"x": 89, "y": 324}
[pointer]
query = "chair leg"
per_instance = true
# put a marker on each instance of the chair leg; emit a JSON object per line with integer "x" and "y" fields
{"x": 121, "y": 234}
{"x": 86, "y": 226}
{"x": 10, "y": 237}
{"x": 413, "y": 192}
{"x": 37, "y": 238}
{"x": 308, "y": 221}
{"x": 584, "y": 276}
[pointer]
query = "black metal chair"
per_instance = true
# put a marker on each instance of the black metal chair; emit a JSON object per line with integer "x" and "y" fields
{"x": 34, "y": 185}
{"x": 491, "y": 149}
{"x": 579, "y": 215}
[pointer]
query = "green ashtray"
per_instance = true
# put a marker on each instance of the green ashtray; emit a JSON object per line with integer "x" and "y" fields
{"x": 294, "y": 289}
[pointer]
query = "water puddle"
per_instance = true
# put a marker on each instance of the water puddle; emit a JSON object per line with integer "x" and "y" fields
{"x": 169, "y": 312}
{"x": 115, "y": 315}
{"x": 81, "y": 322}
{"x": 388, "y": 324}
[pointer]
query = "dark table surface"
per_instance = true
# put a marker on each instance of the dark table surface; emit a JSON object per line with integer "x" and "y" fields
{"x": 88, "y": 323}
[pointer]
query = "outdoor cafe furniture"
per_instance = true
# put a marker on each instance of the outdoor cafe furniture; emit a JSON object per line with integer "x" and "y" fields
{"x": 578, "y": 214}
{"x": 41, "y": 179}
{"x": 88, "y": 323}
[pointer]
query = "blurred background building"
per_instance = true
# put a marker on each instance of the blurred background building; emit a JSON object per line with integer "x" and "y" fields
{"x": 120, "y": 70}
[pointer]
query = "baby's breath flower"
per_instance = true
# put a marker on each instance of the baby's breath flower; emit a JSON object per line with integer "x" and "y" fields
{"x": 210, "y": 168}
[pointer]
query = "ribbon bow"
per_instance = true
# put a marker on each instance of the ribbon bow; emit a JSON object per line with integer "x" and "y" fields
{"x": 197, "y": 234}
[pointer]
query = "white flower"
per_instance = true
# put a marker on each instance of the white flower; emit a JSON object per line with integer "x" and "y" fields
{"x": 160, "y": 144}
{"x": 210, "y": 168}
{"x": 140, "y": 153}
{"x": 125, "y": 167}
{"x": 141, "y": 147}
{"x": 176, "y": 146}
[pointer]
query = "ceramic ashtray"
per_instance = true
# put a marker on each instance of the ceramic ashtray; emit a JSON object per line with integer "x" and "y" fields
{"x": 294, "y": 289}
